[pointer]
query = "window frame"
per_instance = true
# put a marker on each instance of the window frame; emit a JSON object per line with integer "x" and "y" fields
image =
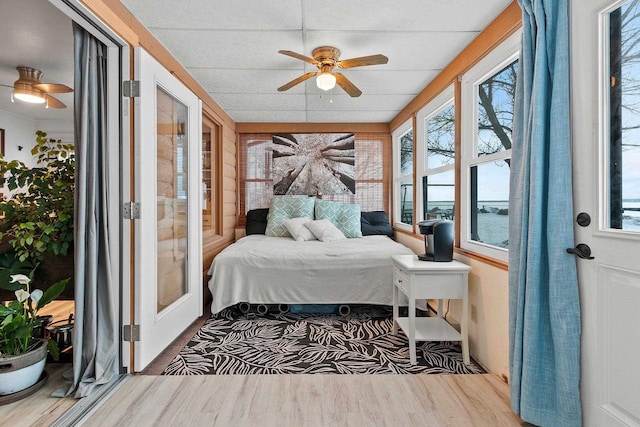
{"x": 396, "y": 136}
{"x": 214, "y": 231}
{"x": 444, "y": 100}
{"x": 500, "y": 57}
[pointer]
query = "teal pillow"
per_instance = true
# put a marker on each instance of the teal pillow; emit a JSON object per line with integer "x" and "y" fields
{"x": 283, "y": 208}
{"x": 344, "y": 216}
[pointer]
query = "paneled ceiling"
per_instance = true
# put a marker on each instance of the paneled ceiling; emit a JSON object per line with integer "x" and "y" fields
{"x": 231, "y": 48}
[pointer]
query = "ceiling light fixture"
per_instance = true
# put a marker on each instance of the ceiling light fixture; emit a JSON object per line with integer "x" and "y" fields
{"x": 32, "y": 96}
{"x": 23, "y": 87}
{"x": 326, "y": 81}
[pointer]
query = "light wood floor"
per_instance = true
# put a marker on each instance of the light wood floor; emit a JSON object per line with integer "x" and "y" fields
{"x": 308, "y": 400}
{"x": 279, "y": 400}
{"x": 39, "y": 409}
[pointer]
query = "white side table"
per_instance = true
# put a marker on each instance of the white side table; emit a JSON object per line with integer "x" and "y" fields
{"x": 430, "y": 280}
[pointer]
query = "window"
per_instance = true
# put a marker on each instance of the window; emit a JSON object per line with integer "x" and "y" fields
{"x": 436, "y": 154}
{"x": 209, "y": 172}
{"x": 403, "y": 176}
{"x": 488, "y": 92}
{"x": 624, "y": 117}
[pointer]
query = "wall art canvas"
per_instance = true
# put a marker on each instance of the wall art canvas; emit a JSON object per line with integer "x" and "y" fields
{"x": 314, "y": 164}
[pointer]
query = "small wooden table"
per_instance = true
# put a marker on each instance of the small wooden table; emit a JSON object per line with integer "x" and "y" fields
{"x": 430, "y": 280}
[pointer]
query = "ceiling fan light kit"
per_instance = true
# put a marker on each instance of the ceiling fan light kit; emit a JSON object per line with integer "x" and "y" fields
{"x": 326, "y": 81}
{"x": 29, "y": 88}
{"x": 326, "y": 58}
{"x": 27, "y": 95}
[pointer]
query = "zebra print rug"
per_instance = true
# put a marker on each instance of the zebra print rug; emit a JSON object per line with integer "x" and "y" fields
{"x": 306, "y": 343}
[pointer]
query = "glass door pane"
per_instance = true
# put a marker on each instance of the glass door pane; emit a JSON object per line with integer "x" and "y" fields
{"x": 624, "y": 109}
{"x": 172, "y": 180}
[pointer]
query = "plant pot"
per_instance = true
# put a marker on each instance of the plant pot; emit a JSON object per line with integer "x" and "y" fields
{"x": 21, "y": 372}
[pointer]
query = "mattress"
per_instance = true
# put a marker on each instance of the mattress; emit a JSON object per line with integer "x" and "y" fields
{"x": 273, "y": 270}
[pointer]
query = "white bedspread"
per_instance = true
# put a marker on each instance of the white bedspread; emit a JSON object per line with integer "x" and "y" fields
{"x": 271, "y": 270}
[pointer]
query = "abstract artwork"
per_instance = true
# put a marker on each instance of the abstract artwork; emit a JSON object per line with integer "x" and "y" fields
{"x": 314, "y": 164}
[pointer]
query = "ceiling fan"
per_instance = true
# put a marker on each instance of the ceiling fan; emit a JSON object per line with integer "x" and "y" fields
{"x": 326, "y": 58}
{"x": 29, "y": 88}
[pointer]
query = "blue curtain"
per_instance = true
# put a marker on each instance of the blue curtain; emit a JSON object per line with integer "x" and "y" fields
{"x": 544, "y": 306}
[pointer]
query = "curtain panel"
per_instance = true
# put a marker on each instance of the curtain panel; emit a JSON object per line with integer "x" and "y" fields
{"x": 95, "y": 347}
{"x": 543, "y": 289}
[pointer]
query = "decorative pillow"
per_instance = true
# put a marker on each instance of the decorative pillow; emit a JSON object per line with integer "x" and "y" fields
{"x": 374, "y": 223}
{"x": 257, "y": 221}
{"x": 298, "y": 231}
{"x": 324, "y": 230}
{"x": 283, "y": 208}
{"x": 344, "y": 216}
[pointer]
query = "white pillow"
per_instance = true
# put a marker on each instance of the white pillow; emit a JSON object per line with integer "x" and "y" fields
{"x": 295, "y": 226}
{"x": 324, "y": 230}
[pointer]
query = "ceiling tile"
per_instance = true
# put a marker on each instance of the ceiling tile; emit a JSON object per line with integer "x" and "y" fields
{"x": 350, "y": 117}
{"x": 255, "y": 102}
{"x": 409, "y": 15}
{"x": 245, "y": 81}
{"x": 219, "y": 14}
{"x": 338, "y": 101}
{"x": 255, "y": 50}
{"x": 244, "y": 116}
{"x": 372, "y": 81}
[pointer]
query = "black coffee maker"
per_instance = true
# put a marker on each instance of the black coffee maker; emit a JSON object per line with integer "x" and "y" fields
{"x": 438, "y": 240}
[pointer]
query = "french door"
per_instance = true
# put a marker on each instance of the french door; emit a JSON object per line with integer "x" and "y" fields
{"x": 605, "y": 47}
{"x": 168, "y": 289}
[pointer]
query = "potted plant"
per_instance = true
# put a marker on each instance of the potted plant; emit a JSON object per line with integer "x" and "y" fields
{"x": 22, "y": 353}
{"x": 36, "y": 225}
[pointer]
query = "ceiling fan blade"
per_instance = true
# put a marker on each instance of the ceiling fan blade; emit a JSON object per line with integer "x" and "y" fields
{"x": 346, "y": 84}
{"x": 52, "y": 88}
{"x": 294, "y": 82}
{"x": 362, "y": 61}
{"x": 10, "y": 86}
{"x": 54, "y": 103}
{"x": 298, "y": 56}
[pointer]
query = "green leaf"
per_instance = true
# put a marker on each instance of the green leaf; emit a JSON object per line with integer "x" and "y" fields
{"x": 52, "y": 293}
{"x": 54, "y": 351}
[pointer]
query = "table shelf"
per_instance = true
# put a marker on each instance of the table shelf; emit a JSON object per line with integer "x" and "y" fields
{"x": 430, "y": 329}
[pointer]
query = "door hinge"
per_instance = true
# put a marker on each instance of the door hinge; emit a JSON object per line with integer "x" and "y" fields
{"x": 131, "y": 88}
{"x": 131, "y": 333}
{"x": 131, "y": 210}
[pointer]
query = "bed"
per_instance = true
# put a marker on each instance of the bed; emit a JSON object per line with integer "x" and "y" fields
{"x": 261, "y": 269}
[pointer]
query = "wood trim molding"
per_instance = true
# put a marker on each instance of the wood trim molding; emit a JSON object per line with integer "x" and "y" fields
{"x": 483, "y": 258}
{"x": 312, "y": 127}
{"x": 509, "y": 21}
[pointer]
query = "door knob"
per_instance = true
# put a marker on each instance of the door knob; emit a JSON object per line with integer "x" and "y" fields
{"x": 581, "y": 251}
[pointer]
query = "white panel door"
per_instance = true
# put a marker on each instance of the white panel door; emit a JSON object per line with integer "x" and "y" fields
{"x": 606, "y": 154}
{"x": 168, "y": 289}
